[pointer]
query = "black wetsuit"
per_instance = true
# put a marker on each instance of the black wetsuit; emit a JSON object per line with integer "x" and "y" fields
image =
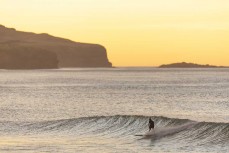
{"x": 151, "y": 124}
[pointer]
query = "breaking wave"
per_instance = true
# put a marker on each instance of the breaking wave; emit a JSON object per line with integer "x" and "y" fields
{"x": 124, "y": 127}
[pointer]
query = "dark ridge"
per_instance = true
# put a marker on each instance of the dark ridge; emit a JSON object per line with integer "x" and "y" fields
{"x": 189, "y": 65}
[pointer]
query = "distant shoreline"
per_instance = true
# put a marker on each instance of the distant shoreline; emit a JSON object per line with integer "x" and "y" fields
{"x": 167, "y": 66}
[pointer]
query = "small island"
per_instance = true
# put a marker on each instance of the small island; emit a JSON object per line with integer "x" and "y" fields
{"x": 189, "y": 65}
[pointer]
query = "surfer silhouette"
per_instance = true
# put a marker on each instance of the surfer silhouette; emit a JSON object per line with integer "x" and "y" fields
{"x": 151, "y": 124}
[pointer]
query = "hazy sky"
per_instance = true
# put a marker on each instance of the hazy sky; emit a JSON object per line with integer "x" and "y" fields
{"x": 135, "y": 32}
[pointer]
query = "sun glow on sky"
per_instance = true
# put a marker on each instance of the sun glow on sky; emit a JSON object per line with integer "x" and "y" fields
{"x": 135, "y": 32}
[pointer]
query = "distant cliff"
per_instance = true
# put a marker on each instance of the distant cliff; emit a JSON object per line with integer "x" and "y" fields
{"x": 20, "y": 57}
{"x": 46, "y": 51}
{"x": 188, "y": 65}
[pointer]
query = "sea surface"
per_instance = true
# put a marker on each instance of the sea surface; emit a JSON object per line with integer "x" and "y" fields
{"x": 101, "y": 110}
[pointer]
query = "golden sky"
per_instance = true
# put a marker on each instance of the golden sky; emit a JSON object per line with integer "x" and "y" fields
{"x": 135, "y": 32}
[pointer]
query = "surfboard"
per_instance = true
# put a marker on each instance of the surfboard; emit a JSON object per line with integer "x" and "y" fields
{"x": 139, "y": 135}
{"x": 147, "y": 134}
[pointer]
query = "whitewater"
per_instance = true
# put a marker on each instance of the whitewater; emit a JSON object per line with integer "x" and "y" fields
{"x": 103, "y": 109}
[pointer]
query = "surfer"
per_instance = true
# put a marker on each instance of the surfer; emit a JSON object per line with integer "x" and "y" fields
{"x": 151, "y": 124}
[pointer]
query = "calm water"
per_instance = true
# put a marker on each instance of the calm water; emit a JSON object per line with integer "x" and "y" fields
{"x": 100, "y": 110}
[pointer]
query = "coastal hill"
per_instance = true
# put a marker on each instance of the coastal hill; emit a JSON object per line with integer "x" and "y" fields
{"x": 26, "y": 50}
{"x": 188, "y": 65}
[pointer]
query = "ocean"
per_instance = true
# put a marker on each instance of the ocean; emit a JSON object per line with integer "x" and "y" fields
{"x": 101, "y": 110}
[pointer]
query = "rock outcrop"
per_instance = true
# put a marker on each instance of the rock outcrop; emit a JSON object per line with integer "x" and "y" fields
{"x": 46, "y": 51}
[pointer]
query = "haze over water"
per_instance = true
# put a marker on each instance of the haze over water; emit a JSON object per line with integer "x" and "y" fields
{"x": 100, "y": 110}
